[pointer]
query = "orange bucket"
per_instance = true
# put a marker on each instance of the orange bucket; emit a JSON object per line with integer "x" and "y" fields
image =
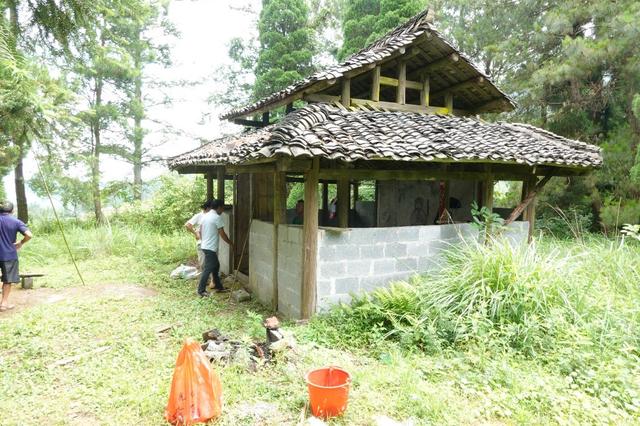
{"x": 328, "y": 391}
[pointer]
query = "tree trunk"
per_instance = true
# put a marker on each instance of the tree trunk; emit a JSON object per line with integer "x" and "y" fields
{"x": 138, "y": 136}
{"x": 95, "y": 157}
{"x": 21, "y": 193}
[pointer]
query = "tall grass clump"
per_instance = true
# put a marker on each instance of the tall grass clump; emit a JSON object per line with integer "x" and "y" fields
{"x": 530, "y": 299}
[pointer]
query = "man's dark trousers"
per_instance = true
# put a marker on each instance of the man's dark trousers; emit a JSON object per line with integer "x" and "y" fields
{"x": 211, "y": 266}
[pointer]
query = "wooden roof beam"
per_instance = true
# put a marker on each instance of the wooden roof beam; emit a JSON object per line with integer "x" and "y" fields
{"x": 441, "y": 63}
{"x": 496, "y": 105}
{"x": 472, "y": 82}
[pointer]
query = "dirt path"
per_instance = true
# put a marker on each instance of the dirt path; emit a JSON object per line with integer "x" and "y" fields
{"x": 24, "y": 299}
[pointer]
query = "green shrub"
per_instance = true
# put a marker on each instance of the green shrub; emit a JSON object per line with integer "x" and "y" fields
{"x": 615, "y": 214}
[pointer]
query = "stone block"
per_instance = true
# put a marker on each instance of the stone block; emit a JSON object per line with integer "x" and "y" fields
{"x": 325, "y": 287}
{"x": 417, "y": 248}
{"x": 325, "y": 303}
{"x": 395, "y": 250}
{"x": 371, "y": 283}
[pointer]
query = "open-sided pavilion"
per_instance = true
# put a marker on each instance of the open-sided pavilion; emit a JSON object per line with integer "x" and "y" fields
{"x": 401, "y": 116}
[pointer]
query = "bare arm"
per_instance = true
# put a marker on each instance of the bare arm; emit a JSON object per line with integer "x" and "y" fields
{"x": 192, "y": 230}
{"x": 26, "y": 237}
{"x": 224, "y": 237}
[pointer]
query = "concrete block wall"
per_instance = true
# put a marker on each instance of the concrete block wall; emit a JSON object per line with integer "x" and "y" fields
{"x": 290, "y": 253}
{"x": 261, "y": 261}
{"x": 363, "y": 259}
{"x": 224, "y": 254}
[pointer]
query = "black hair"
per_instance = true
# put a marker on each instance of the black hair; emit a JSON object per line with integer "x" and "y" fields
{"x": 206, "y": 205}
{"x": 216, "y": 204}
{"x": 6, "y": 207}
{"x": 300, "y": 201}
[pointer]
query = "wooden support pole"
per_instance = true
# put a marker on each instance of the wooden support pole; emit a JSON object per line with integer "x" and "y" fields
{"x": 310, "y": 241}
{"x": 533, "y": 190}
{"x": 279, "y": 218}
{"x": 356, "y": 195}
{"x": 220, "y": 183}
{"x": 265, "y": 118}
{"x": 325, "y": 200}
{"x": 487, "y": 193}
{"x": 343, "y": 202}
{"x": 375, "y": 84}
{"x": 345, "y": 99}
{"x": 401, "y": 94}
{"x": 448, "y": 102}
{"x": 424, "y": 93}
{"x": 209, "y": 178}
{"x": 288, "y": 108}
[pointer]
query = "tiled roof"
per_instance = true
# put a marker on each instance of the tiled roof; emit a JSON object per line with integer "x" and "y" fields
{"x": 324, "y": 131}
{"x": 380, "y": 50}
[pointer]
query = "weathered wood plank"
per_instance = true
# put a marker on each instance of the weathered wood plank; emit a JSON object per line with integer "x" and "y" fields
{"x": 424, "y": 92}
{"x": 343, "y": 202}
{"x": 375, "y": 84}
{"x": 279, "y": 218}
{"x": 394, "y": 82}
{"x": 345, "y": 99}
{"x": 472, "y": 82}
{"x": 209, "y": 177}
{"x": 220, "y": 183}
{"x": 533, "y": 191}
{"x": 310, "y": 238}
{"x": 401, "y": 93}
{"x": 448, "y": 102}
{"x": 441, "y": 63}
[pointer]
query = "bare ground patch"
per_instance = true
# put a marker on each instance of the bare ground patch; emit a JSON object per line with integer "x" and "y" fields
{"x": 24, "y": 299}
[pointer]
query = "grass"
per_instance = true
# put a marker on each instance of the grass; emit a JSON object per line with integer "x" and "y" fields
{"x": 473, "y": 353}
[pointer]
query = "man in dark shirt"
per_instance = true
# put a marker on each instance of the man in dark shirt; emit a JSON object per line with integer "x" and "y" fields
{"x": 9, "y": 229}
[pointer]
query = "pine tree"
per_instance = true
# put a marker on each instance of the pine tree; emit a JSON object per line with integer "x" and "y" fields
{"x": 365, "y": 21}
{"x": 286, "y": 46}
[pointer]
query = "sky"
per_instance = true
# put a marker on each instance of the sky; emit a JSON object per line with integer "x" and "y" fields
{"x": 205, "y": 28}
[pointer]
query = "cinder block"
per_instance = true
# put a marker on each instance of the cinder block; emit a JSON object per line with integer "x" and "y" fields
{"x": 384, "y": 266}
{"x": 373, "y": 251}
{"x": 431, "y": 232}
{"x": 407, "y": 264}
{"x": 332, "y": 269}
{"x": 347, "y": 285}
{"x": 369, "y": 284}
{"x": 417, "y": 248}
{"x": 431, "y": 263}
{"x": 358, "y": 267}
{"x": 325, "y": 287}
{"x": 335, "y": 238}
{"x": 408, "y": 233}
{"x": 325, "y": 303}
{"x": 393, "y": 250}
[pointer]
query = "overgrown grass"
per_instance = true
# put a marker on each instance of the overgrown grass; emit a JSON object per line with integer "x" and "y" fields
{"x": 570, "y": 307}
{"x": 541, "y": 336}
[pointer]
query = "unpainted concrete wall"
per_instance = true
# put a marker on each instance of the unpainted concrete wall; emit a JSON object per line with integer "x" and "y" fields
{"x": 224, "y": 254}
{"x": 290, "y": 253}
{"x": 361, "y": 260}
{"x": 261, "y": 261}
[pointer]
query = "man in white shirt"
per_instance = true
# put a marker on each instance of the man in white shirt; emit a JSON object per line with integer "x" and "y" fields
{"x": 211, "y": 230}
{"x": 193, "y": 226}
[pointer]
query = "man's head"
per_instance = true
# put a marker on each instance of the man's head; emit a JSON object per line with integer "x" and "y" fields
{"x": 218, "y": 206}
{"x": 300, "y": 207}
{"x": 6, "y": 207}
{"x": 206, "y": 206}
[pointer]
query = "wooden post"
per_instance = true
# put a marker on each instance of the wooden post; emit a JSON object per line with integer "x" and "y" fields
{"x": 325, "y": 200}
{"x": 265, "y": 118}
{"x": 356, "y": 195}
{"x": 487, "y": 193}
{"x": 288, "y": 108}
{"x": 424, "y": 93}
{"x": 310, "y": 240}
{"x": 375, "y": 85}
{"x": 220, "y": 178}
{"x": 209, "y": 178}
{"x": 346, "y": 92}
{"x": 343, "y": 202}
{"x": 279, "y": 218}
{"x": 401, "y": 94}
{"x": 448, "y": 102}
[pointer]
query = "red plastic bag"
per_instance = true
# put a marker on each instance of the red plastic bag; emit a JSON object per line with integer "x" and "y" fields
{"x": 196, "y": 392}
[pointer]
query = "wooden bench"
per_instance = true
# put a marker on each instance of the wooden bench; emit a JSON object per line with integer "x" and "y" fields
{"x": 27, "y": 280}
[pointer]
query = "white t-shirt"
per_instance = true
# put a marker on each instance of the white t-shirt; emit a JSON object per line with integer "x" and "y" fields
{"x": 209, "y": 226}
{"x": 196, "y": 222}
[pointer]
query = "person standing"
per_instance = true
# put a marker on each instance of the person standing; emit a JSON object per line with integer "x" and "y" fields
{"x": 10, "y": 226}
{"x": 193, "y": 226}
{"x": 211, "y": 230}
